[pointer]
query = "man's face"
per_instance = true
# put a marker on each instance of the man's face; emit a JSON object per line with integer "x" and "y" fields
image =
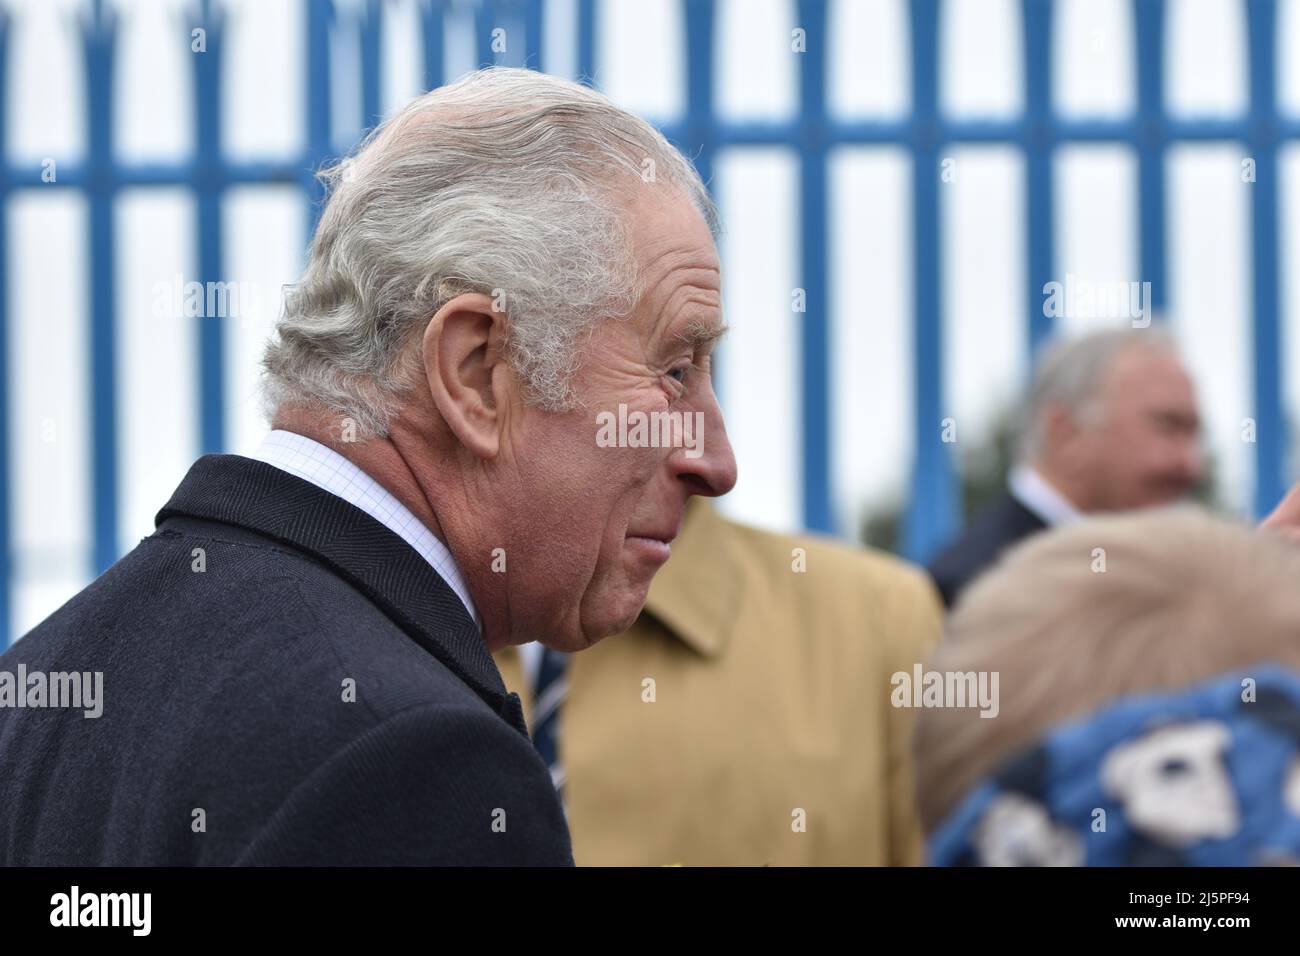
{"x": 598, "y": 501}
{"x": 1143, "y": 451}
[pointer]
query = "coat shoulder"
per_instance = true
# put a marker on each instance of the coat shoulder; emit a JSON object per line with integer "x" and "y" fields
{"x": 849, "y": 596}
{"x": 834, "y": 564}
{"x": 234, "y": 670}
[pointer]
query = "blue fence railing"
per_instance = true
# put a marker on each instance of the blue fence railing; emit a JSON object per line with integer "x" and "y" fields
{"x": 934, "y": 509}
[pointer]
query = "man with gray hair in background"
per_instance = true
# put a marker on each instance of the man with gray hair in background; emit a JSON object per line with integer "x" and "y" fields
{"x": 297, "y": 664}
{"x": 1110, "y": 424}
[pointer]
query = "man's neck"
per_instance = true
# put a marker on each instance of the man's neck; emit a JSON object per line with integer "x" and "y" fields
{"x": 426, "y": 495}
{"x": 380, "y": 458}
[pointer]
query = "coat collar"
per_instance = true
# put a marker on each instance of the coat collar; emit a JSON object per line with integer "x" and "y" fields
{"x": 697, "y": 595}
{"x": 280, "y": 506}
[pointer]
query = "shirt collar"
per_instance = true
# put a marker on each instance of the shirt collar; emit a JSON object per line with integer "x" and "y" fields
{"x": 328, "y": 470}
{"x": 1040, "y": 496}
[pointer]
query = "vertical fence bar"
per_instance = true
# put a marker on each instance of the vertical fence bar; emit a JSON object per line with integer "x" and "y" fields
{"x": 431, "y": 29}
{"x": 700, "y": 126}
{"x": 320, "y": 14}
{"x": 1040, "y": 253}
{"x": 700, "y": 139}
{"x": 534, "y": 35}
{"x": 372, "y": 33}
{"x": 1271, "y": 436}
{"x": 932, "y": 511}
{"x": 512, "y": 15}
{"x": 209, "y": 186}
{"x": 99, "y": 36}
{"x": 485, "y": 18}
{"x": 587, "y": 42}
{"x": 818, "y": 513}
{"x": 7, "y": 563}
{"x": 1149, "y": 20}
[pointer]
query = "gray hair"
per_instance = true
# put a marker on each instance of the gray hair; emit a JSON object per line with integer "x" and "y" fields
{"x": 1069, "y": 373}
{"x": 510, "y": 183}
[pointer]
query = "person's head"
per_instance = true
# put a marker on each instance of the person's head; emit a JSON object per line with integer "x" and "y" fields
{"x": 1112, "y": 420}
{"x": 503, "y": 261}
{"x": 1080, "y": 616}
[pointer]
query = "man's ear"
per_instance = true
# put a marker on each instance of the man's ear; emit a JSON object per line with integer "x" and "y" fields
{"x": 464, "y": 363}
{"x": 1060, "y": 426}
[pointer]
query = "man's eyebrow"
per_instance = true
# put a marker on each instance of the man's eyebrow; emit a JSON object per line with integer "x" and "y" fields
{"x": 701, "y": 333}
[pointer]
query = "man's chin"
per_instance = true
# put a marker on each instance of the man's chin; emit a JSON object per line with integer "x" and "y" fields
{"x": 603, "y": 612}
{"x": 619, "y": 614}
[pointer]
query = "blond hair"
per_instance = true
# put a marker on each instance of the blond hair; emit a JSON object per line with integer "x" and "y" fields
{"x": 1076, "y": 617}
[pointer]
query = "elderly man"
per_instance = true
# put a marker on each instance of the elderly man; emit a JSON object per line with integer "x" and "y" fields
{"x": 1110, "y": 425}
{"x": 297, "y": 665}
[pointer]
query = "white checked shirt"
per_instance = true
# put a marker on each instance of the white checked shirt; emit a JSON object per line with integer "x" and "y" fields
{"x": 327, "y": 469}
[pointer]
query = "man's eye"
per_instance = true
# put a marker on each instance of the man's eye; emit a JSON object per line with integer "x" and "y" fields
{"x": 679, "y": 374}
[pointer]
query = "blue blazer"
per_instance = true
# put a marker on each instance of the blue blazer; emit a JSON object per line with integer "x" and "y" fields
{"x": 285, "y": 682}
{"x": 980, "y": 545}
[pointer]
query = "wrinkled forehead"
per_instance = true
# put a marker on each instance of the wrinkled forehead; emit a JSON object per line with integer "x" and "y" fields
{"x": 1149, "y": 374}
{"x": 671, "y": 240}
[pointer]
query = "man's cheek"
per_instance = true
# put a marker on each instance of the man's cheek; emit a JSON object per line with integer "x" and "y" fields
{"x": 637, "y": 465}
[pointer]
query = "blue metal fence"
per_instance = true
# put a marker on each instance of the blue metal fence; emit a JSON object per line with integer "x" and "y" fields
{"x": 813, "y": 134}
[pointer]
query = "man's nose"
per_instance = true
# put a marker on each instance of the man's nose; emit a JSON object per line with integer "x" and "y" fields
{"x": 712, "y": 471}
